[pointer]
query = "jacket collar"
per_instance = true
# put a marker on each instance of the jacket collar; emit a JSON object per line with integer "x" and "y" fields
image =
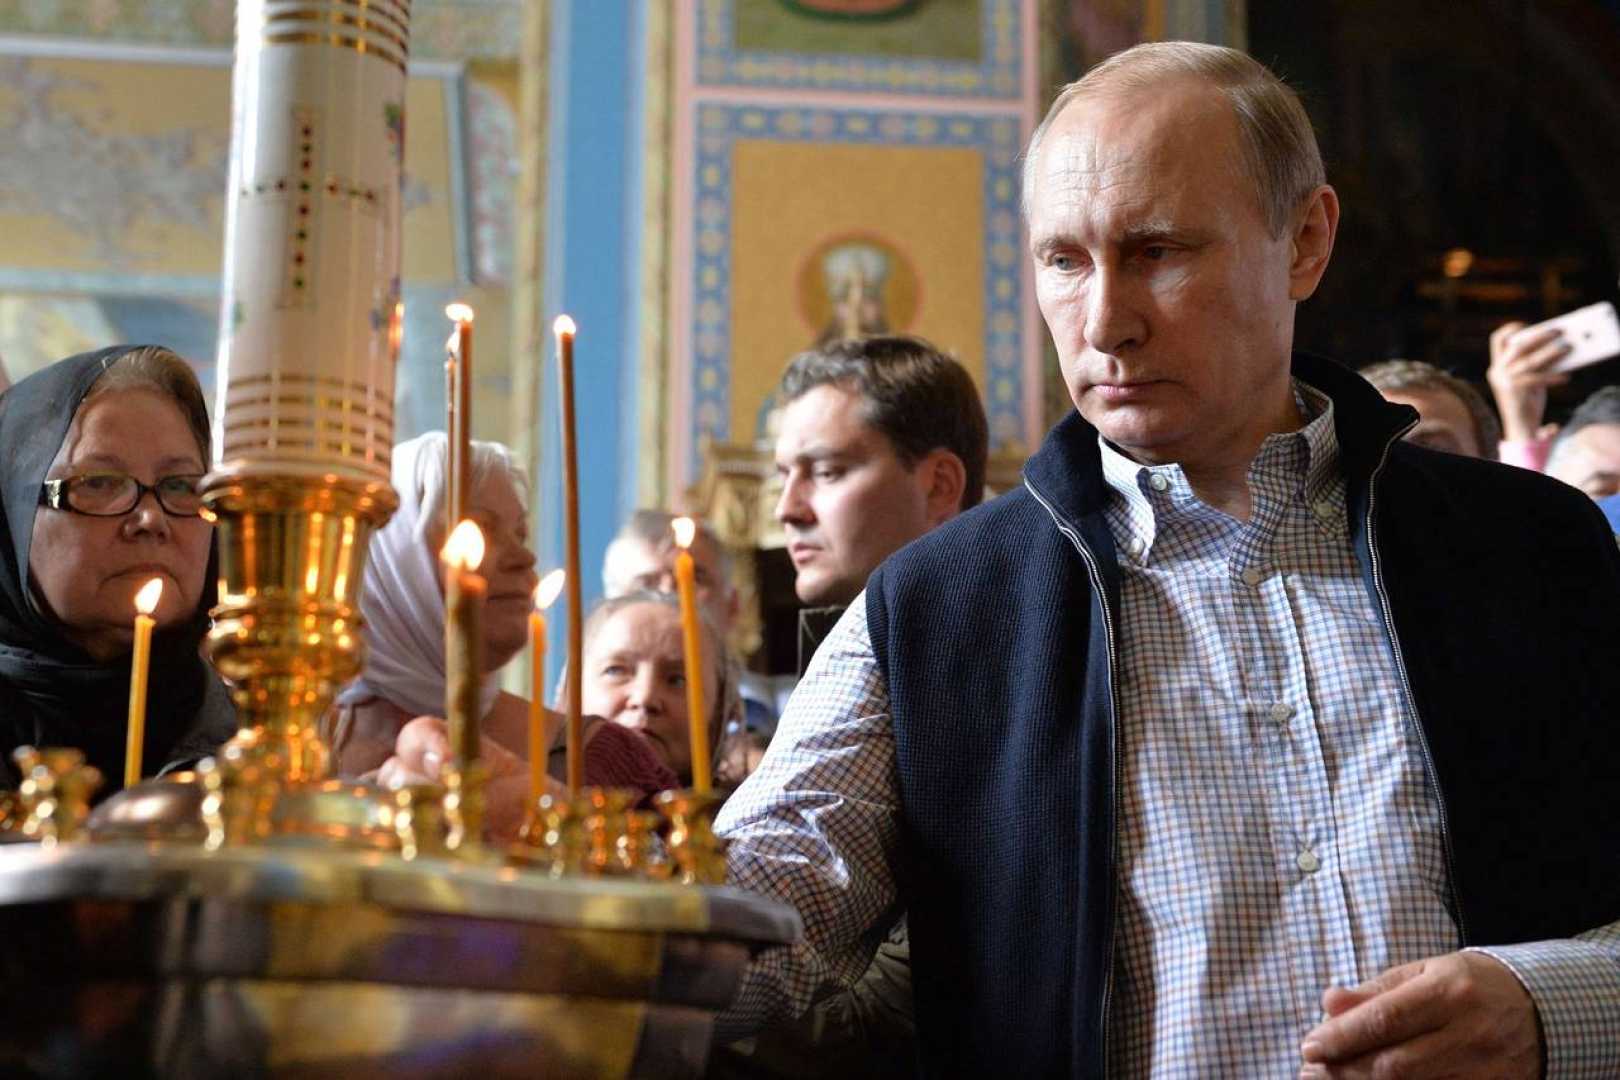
{"x": 1067, "y": 469}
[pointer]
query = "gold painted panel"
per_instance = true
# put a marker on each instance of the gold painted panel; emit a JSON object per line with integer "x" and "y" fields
{"x": 795, "y": 205}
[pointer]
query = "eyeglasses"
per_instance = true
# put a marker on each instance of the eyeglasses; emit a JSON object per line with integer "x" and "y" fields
{"x": 112, "y": 494}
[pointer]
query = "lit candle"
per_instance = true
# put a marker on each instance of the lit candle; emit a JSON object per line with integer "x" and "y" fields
{"x": 564, "y": 329}
{"x": 458, "y": 400}
{"x": 146, "y": 602}
{"x": 544, "y": 595}
{"x": 685, "y": 530}
{"x": 464, "y": 593}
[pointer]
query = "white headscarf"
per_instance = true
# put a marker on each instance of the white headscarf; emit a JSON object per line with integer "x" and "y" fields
{"x": 401, "y": 602}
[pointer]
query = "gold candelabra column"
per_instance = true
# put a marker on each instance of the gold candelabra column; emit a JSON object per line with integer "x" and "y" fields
{"x": 255, "y": 915}
{"x": 286, "y": 632}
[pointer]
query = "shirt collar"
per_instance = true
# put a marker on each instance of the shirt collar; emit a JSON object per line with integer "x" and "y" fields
{"x": 1145, "y": 498}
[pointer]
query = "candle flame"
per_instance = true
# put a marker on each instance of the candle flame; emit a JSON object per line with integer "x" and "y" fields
{"x": 465, "y": 548}
{"x": 459, "y": 311}
{"x": 685, "y": 530}
{"x": 545, "y": 594}
{"x": 146, "y": 601}
{"x": 563, "y": 325}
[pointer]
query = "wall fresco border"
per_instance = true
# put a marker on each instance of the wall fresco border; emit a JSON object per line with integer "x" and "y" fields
{"x": 721, "y": 125}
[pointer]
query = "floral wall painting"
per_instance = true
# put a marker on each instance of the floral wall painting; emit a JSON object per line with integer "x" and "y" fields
{"x": 851, "y": 9}
{"x": 964, "y": 49}
{"x": 941, "y": 29}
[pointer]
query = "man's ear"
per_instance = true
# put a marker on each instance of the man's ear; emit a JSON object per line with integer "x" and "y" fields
{"x": 943, "y": 478}
{"x": 1313, "y": 242}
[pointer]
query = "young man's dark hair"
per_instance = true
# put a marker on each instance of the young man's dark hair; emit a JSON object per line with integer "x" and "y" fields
{"x": 918, "y": 397}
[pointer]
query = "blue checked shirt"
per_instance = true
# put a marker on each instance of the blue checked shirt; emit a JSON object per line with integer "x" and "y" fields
{"x": 1278, "y": 832}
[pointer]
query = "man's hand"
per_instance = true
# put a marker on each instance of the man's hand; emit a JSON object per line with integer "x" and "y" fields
{"x": 1461, "y": 1014}
{"x": 1519, "y": 377}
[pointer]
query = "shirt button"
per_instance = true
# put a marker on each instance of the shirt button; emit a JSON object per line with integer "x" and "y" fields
{"x": 1323, "y": 509}
{"x": 1253, "y": 576}
{"x": 1159, "y": 482}
{"x": 1281, "y": 712}
{"x": 1308, "y": 862}
{"x": 1136, "y": 547}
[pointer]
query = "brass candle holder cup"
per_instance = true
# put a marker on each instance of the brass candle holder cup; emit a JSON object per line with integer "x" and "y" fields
{"x": 419, "y": 820}
{"x": 603, "y": 823}
{"x": 463, "y": 787}
{"x": 549, "y": 840}
{"x": 53, "y": 799}
{"x": 599, "y": 833}
{"x": 698, "y": 855}
{"x": 642, "y": 850}
{"x": 590, "y": 835}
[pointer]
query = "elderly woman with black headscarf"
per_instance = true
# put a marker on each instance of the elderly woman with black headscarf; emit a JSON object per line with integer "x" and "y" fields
{"x": 101, "y": 456}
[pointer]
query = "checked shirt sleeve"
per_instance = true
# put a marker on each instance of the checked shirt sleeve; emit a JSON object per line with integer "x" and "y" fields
{"x": 1575, "y": 984}
{"x": 815, "y": 826}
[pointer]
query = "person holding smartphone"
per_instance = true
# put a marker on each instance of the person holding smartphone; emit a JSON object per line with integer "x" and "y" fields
{"x": 1520, "y": 375}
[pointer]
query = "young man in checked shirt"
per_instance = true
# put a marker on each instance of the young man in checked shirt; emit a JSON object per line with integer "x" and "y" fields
{"x": 1218, "y": 749}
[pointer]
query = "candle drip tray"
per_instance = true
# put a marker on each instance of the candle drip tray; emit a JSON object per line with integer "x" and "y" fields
{"x": 158, "y": 958}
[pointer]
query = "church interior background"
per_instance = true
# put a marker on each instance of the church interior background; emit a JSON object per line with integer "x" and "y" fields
{"x": 709, "y": 186}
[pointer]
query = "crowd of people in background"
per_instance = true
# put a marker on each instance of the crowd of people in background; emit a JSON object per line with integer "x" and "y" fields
{"x": 881, "y": 441}
{"x": 1454, "y": 416}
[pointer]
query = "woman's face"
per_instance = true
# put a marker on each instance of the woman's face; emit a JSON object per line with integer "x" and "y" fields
{"x": 508, "y": 566}
{"x": 86, "y": 570}
{"x": 635, "y": 675}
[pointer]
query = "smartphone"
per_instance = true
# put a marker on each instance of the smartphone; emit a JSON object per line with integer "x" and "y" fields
{"x": 1592, "y": 333}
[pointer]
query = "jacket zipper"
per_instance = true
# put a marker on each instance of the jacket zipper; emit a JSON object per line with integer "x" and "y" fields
{"x": 1113, "y": 713}
{"x": 1095, "y": 573}
{"x": 1406, "y": 685}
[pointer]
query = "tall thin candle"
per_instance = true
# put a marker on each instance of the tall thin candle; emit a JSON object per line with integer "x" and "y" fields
{"x": 464, "y": 592}
{"x": 544, "y": 595}
{"x": 564, "y": 330}
{"x": 146, "y": 602}
{"x": 685, "y": 530}
{"x": 458, "y": 380}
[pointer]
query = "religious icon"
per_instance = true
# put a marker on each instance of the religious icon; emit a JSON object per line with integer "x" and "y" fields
{"x": 853, "y": 286}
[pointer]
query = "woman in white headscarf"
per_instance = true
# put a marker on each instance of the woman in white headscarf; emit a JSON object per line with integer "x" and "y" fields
{"x": 403, "y": 601}
{"x": 403, "y": 606}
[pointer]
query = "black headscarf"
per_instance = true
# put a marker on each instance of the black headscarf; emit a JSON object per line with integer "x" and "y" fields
{"x": 52, "y": 693}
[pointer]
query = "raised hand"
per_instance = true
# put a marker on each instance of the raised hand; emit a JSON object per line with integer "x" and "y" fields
{"x": 1520, "y": 374}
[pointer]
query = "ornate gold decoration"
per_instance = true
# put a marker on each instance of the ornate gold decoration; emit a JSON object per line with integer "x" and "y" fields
{"x": 55, "y": 792}
{"x": 698, "y": 855}
{"x": 286, "y": 631}
{"x": 341, "y": 40}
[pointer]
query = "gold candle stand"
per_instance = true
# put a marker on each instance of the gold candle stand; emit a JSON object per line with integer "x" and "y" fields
{"x": 599, "y": 833}
{"x": 286, "y": 633}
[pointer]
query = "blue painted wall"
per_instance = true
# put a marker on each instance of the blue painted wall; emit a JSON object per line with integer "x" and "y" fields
{"x": 593, "y": 213}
